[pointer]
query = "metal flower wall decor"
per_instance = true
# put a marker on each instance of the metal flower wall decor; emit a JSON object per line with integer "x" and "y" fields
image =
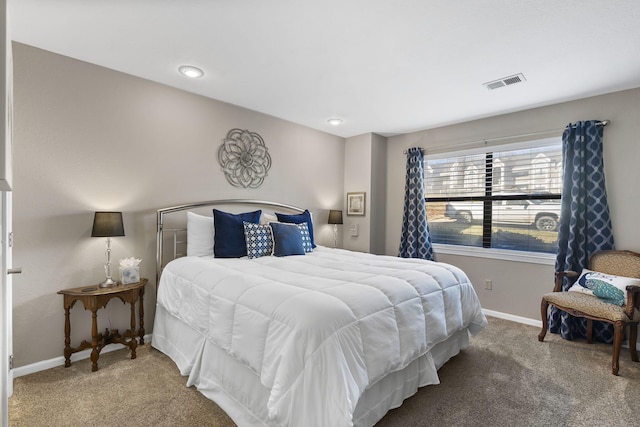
{"x": 244, "y": 158}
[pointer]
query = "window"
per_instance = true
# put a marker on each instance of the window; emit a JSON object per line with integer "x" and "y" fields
{"x": 501, "y": 197}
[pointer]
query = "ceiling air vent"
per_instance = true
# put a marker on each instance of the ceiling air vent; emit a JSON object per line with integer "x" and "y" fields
{"x": 505, "y": 81}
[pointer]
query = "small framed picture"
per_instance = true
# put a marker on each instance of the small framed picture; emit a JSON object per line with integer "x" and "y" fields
{"x": 356, "y": 203}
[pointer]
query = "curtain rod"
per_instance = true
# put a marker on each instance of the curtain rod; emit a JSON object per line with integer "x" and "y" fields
{"x": 500, "y": 138}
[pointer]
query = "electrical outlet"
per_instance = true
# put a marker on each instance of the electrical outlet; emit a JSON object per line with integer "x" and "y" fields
{"x": 488, "y": 284}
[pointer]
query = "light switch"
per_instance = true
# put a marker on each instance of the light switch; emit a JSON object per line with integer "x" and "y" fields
{"x": 353, "y": 230}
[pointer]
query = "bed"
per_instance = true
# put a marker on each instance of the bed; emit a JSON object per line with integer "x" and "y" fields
{"x": 327, "y": 337}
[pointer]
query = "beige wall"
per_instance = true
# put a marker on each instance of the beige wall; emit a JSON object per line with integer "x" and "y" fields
{"x": 378, "y": 203}
{"x": 365, "y": 170}
{"x": 87, "y": 138}
{"x": 518, "y": 287}
{"x": 357, "y": 178}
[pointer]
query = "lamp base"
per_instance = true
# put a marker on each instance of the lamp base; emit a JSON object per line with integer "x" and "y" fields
{"x": 108, "y": 282}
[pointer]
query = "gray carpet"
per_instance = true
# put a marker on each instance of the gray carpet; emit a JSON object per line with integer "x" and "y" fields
{"x": 505, "y": 378}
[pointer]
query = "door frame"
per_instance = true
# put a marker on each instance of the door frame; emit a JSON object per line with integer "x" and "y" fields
{"x": 6, "y": 352}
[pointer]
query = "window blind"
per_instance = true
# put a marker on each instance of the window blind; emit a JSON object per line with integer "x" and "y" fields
{"x": 505, "y": 197}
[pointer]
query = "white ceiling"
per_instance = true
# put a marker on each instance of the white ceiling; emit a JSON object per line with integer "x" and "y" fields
{"x": 384, "y": 66}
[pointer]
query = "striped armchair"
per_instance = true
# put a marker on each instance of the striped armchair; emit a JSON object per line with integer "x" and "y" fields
{"x": 619, "y": 263}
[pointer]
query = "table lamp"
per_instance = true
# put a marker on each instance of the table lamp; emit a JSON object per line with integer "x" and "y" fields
{"x": 107, "y": 224}
{"x": 335, "y": 218}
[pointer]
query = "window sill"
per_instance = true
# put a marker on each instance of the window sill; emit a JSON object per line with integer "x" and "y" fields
{"x": 501, "y": 254}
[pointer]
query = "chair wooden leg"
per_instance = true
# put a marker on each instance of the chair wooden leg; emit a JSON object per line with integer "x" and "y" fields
{"x": 544, "y": 305}
{"x": 633, "y": 341}
{"x": 618, "y": 331}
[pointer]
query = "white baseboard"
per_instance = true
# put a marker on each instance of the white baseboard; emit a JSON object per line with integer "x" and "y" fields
{"x": 531, "y": 322}
{"x": 59, "y": 361}
{"x": 513, "y": 318}
{"x": 85, "y": 354}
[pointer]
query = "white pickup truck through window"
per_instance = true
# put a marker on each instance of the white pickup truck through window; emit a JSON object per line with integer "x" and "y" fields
{"x": 543, "y": 214}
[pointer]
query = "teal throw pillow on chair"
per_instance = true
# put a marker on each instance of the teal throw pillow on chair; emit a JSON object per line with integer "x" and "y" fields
{"x": 605, "y": 291}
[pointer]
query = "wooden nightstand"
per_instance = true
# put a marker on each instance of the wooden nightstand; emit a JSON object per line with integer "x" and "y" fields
{"x": 94, "y": 298}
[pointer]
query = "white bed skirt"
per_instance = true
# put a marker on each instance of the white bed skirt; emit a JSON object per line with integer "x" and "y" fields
{"x": 238, "y": 391}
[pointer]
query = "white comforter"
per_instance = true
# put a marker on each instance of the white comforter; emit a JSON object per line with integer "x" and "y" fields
{"x": 319, "y": 329}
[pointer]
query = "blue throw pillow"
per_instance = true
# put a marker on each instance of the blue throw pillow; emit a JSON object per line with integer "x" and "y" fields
{"x": 297, "y": 219}
{"x": 258, "y": 239}
{"x": 228, "y": 240}
{"x": 287, "y": 239}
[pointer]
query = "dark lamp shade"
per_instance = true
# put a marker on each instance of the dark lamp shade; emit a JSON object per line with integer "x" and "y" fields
{"x": 107, "y": 224}
{"x": 335, "y": 217}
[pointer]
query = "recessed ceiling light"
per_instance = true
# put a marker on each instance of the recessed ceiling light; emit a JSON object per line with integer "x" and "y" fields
{"x": 335, "y": 121}
{"x": 191, "y": 71}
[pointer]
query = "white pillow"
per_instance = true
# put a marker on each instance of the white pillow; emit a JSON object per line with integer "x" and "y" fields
{"x": 200, "y": 231}
{"x": 266, "y": 218}
{"x": 579, "y": 288}
{"x": 619, "y": 282}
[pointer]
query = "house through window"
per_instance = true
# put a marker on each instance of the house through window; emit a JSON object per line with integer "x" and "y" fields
{"x": 501, "y": 197}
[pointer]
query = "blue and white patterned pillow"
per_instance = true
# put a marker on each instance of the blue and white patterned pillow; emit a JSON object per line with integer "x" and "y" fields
{"x": 306, "y": 237}
{"x": 600, "y": 284}
{"x": 606, "y": 292}
{"x": 259, "y": 239}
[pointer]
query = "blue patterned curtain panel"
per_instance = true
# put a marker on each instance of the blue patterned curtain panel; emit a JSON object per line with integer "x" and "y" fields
{"x": 585, "y": 225}
{"x": 415, "y": 241}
